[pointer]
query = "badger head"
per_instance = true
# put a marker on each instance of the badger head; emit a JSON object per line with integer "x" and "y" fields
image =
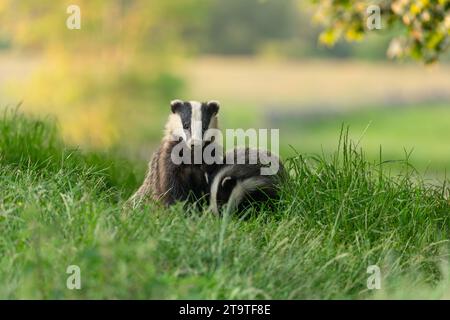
{"x": 190, "y": 120}
{"x": 235, "y": 184}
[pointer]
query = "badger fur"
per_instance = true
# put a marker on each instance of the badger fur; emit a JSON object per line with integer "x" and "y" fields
{"x": 241, "y": 184}
{"x": 167, "y": 181}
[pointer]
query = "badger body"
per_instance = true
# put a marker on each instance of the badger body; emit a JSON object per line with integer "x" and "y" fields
{"x": 240, "y": 184}
{"x": 168, "y": 181}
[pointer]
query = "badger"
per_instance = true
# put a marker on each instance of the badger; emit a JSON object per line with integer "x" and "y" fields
{"x": 241, "y": 181}
{"x": 168, "y": 180}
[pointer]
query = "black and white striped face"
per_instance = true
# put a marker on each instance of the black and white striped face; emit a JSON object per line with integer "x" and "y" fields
{"x": 191, "y": 119}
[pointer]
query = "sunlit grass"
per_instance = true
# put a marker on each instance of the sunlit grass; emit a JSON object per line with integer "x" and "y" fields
{"x": 336, "y": 216}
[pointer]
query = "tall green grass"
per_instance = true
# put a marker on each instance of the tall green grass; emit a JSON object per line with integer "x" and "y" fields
{"x": 337, "y": 215}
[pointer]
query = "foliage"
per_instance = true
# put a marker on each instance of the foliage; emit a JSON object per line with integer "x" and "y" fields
{"x": 425, "y": 24}
{"x": 336, "y": 216}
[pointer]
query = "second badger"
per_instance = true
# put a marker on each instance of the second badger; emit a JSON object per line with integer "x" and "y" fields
{"x": 249, "y": 177}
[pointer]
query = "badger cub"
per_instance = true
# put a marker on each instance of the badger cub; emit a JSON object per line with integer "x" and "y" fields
{"x": 245, "y": 183}
{"x": 167, "y": 180}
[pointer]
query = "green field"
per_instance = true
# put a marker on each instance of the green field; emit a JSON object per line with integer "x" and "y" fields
{"x": 60, "y": 206}
{"x": 421, "y": 131}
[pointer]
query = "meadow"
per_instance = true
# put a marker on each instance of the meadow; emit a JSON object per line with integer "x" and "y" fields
{"x": 338, "y": 215}
{"x": 419, "y": 132}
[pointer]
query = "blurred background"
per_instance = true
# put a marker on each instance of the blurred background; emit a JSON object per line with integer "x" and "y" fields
{"x": 109, "y": 84}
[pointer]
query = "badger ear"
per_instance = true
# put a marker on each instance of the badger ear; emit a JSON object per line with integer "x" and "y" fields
{"x": 214, "y": 106}
{"x": 175, "y": 105}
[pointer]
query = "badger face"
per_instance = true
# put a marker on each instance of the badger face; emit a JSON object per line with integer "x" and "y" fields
{"x": 191, "y": 119}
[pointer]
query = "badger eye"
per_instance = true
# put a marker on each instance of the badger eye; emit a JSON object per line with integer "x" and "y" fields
{"x": 185, "y": 126}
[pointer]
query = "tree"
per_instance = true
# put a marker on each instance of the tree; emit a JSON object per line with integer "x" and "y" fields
{"x": 244, "y": 26}
{"x": 424, "y": 24}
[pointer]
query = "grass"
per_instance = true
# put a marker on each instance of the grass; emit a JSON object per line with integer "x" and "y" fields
{"x": 60, "y": 206}
{"x": 421, "y": 130}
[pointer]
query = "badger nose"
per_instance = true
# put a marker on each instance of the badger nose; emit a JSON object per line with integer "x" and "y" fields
{"x": 195, "y": 142}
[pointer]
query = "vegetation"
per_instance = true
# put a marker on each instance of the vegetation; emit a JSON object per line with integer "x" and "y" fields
{"x": 245, "y": 27}
{"x": 420, "y": 131}
{"x": 425, "y": 24}
{"x": 337, "y": 216}
{"x": 109, "y": 83}
{"x": 122, "y": 62}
